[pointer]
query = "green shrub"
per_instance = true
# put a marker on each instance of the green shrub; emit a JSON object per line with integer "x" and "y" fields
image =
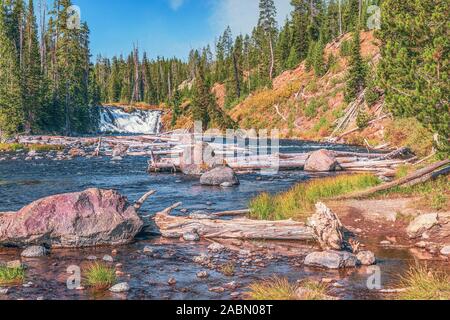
{"x": 11, "y": 276}
{"x": 100, "y": 276}
{"x": 362, "y": 120}
{"x": 346, "y": 48}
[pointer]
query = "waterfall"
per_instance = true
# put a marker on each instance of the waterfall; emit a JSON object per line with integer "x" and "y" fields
{"x": 117, "y": 120}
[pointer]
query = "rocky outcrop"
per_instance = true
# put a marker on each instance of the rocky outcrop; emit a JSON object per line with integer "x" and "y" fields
{"x": 321, "y": 161}
{"x": 331, "y": 260}
{"x": 219, "y": 176}
{"x": 327, "y": 228}
{"x": 90, "y": 218}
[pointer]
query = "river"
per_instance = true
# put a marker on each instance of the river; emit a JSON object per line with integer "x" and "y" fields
{"x": 22, "y": 182}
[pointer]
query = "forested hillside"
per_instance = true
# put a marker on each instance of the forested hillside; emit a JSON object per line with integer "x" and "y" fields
{"x": 301, "y": 77}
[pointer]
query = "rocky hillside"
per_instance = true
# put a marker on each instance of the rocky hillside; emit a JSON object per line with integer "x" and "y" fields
{"x": 304, "y": 106}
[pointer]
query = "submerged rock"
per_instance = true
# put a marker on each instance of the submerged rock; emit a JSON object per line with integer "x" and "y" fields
{"x": 219, "y": 176}
{"x": 422, "y": 224}
{"x": 191, "y": 236}
{"x": 366, "y": 258}
{"x": 90, "y": 218}
{"x": 331, "y": 260}
{"x": 34, "y": 252}
{"x": 321, "y": 161}
{"x": 120, "y": 288}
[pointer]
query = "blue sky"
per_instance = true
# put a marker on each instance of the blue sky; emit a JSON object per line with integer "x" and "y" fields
{"x": 166, "y": 27}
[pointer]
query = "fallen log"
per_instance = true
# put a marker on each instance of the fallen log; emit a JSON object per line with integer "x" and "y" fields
{"x": 240, "y": 228}
{"x": 420, "y": 176}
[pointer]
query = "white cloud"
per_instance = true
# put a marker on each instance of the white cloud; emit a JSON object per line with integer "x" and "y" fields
{"x": 242, "y": 15}
{"x": 175, "y": 4}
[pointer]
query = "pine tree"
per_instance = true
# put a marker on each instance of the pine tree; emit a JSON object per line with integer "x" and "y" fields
{"x": 268, "y": 31}
{"x": 11, "y": 113}
{"x": 357, "y": 70}
{"x": 32, "y": 79}
{"x": 202, "y": 99}
{"x": 414, "y": 69}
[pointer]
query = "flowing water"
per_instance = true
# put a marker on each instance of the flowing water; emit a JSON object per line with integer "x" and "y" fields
{"x": 22, "y": 182}
{"x": 117, "y": 120}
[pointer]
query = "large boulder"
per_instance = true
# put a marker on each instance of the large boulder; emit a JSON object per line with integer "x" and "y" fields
{"x": 331, "y": 260}
{"x": 321, "y": 161}
{"x": 90, "y": 218}
{"x": 218, "y": 176}
{"x": 422, "y": 224}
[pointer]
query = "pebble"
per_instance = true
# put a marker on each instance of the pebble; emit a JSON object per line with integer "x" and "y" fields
{"x": 120, "y": 288}
{"x": 148, "y": 249}
{"x": 191, "y": 236}
{"x": 202, "y": 275}
{"x": 27, "y": 285}
{"x": 4, "y": 291}
{"x": 217, "y": 289}
{"x": 34, "y": 252}
{"x": 91, "y": 258}
{"x": 216, "y": 247}
{"x": 108, "y": 258}
{"x": 172, "y": 281}
{"x": 445, "y": 251}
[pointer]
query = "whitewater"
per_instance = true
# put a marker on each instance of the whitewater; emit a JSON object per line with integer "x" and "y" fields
{"x": 116, "y": 120}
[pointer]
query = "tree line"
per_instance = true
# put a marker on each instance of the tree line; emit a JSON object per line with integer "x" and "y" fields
{"x": 46, "y": 78}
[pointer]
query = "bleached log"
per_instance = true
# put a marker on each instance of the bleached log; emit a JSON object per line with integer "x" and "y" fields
{"x": 138, "y": 204}
{"x": 240, "y": 228}
{"x": 327, "y": 227}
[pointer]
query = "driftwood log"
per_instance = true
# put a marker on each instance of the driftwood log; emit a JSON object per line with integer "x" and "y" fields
{"x": 325, "y": 227}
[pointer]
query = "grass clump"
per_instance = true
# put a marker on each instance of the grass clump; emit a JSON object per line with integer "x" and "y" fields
{"x": 422, "y": 283}
{"x": 276, "y": 289}
{"x": 100, "y": 276}
{"x": 11, "y": 276}
{"x": 11, "y": 147}
{"x": 280, "y": 289}
{"x": 298, "y": 202}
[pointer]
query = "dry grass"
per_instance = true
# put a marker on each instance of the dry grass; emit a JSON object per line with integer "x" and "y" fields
{"x": 280, "y": 289}
{"x": 422, "y": 283}
{"x": 298, "y": 203}
{"x": 276, "y": 289}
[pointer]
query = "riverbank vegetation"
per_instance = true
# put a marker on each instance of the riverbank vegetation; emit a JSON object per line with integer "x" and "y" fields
{"x": 11, "y": 276}
{"x": 298, "y": 203}
{"x": 100, "y": 276}
{"x": 423, "y": 283}
{"x": 14, "y": 147}
{"x": 280, "y": 289}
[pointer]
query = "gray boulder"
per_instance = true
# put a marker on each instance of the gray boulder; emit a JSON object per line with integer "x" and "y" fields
{"x": 34, "y": 252}
{"x": 219, "y": 176}
{"x": 422, "y": 224}
{"x": 331, "y": 260}
{"x": 321, "y": 161}
{"x": 366, "y": 258}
